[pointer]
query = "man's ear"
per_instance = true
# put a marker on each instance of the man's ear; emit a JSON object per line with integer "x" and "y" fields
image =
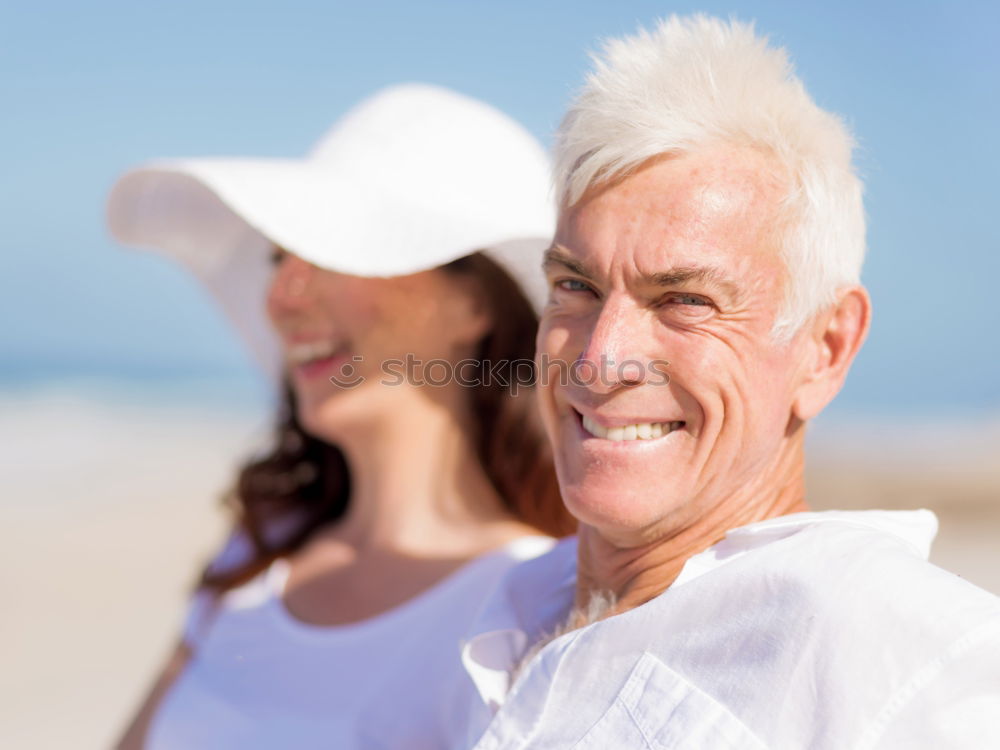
{"x": 834, "y": 339}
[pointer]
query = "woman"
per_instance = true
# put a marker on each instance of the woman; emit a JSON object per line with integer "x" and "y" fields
{"x": 406, "y": 475}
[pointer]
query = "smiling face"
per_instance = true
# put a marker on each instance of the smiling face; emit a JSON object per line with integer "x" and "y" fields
{"x": 679, "y": 262}
{"x": 339, "y": 329}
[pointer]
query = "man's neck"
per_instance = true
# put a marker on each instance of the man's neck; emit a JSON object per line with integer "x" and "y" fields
{"x": 630, "y": 576}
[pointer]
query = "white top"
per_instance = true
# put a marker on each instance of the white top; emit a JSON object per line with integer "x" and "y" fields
{"x": 813, "y": 630}
{"x": 260, "y": 678}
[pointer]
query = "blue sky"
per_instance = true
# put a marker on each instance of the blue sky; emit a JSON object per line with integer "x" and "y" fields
{"x": 90, "y": 89}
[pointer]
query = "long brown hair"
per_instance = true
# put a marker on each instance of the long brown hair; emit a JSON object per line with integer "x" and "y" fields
{"x": 304, "y": 483}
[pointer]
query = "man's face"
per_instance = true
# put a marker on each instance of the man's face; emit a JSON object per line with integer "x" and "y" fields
{"x": 677, "y": 262}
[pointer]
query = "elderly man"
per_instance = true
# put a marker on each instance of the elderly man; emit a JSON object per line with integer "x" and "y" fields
{"x": 711, "y": 219}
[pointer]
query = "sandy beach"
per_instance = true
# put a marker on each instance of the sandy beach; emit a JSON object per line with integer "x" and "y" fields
{"x": 110, "y": 509}
{"x": 108, "y": 512}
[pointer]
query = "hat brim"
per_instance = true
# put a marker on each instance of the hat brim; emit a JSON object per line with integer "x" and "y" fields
{"x": 221, "y": 218}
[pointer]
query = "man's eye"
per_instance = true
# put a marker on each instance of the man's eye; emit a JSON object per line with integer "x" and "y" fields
{"x": 688, "y": 299}
{"x": 572, "y": 285}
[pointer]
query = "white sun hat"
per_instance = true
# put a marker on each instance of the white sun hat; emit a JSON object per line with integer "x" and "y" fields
{"x": 411, "y": 178}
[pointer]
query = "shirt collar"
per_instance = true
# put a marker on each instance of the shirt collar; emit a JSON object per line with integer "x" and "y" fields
{"x": 915, "y": 527}
{"x": 531, "y": 600}
{"x": 536, "y": 596}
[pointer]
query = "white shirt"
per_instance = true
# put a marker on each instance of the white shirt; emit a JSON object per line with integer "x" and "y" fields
{"x": 813, "y": 630}
{"x": 260, "y": 678}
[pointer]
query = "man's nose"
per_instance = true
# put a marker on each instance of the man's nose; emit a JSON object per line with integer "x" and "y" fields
{"x": 291, "y": 283}
{"x": 612, "y": 356}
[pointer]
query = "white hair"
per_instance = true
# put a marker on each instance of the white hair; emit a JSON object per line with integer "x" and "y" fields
{"x": 698, "y": 81}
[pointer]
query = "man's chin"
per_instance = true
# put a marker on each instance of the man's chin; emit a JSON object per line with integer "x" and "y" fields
{"x": 625, "y": 518}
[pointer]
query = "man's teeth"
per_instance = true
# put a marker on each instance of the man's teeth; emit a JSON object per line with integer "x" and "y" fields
{"x": 301, "y": 354}
{"x": 643, "y": 431}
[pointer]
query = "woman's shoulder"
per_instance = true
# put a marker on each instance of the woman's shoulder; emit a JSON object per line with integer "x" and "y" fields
{"x": 206, "y": 603}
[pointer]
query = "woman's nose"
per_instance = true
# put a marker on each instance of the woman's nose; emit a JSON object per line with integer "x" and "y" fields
{"x": 291, "y": 282}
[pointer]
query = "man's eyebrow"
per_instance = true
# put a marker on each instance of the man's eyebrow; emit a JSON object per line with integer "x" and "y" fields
{"x": 680, "y": 276}
{"x": 684, "y": 275}
{"x": 556, "y": 257}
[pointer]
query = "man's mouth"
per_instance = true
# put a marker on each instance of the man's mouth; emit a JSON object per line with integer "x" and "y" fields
{"x": 635, "y": 431}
